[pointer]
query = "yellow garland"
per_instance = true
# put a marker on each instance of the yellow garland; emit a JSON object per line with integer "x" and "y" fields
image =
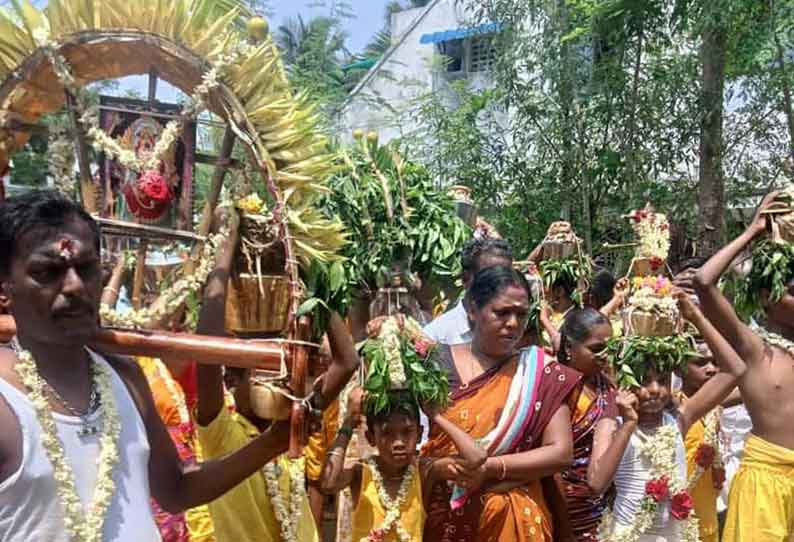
{"x": 79, "y": 526}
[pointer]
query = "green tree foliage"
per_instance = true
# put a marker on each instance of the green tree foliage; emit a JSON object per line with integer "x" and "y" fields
{"x": 598, "y": 106}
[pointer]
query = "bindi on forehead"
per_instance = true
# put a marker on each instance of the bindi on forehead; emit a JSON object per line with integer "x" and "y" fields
{"x": 64, "y": 247}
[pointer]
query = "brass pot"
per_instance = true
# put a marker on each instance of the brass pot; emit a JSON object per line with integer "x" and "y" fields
{"x": 459, "y": 192}
{"x": 558, "y": 250}
{"x": 269, "y": 404}
{"x": 258, "y": 304}
{"x": 647, "y": 324}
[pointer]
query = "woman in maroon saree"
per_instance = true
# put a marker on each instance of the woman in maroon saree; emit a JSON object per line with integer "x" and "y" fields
{"x": 517, "y": 404}
{"x": 583, "y": 340}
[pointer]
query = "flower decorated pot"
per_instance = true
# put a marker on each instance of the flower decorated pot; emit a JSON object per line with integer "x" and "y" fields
{"x": 148, "y": 197}
{"x": 257, "y": 304}
{"x": 648, "y": 324}
{"x": 460, "y": 193}
{"x": 268, "y": 403}
{"x": 643, "y": 267}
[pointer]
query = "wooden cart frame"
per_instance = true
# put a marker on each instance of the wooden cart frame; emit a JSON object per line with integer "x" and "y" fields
{"x": 109, "y": 44}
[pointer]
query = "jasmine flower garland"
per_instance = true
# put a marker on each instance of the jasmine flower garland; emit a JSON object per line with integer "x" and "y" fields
{"x": 288, "y": 515}
{"x": 391, "y": 506}
{"x": 665, "y": 484}
{"x": 79, "y": 525}
{"x": 401, "y": 358}
{"x": 172, "y": 297}
{"x": 88, "y": 117}
{"x": 708, "y": 453}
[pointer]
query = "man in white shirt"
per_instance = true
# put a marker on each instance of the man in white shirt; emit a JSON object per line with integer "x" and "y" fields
{"x": 452, "y": 327}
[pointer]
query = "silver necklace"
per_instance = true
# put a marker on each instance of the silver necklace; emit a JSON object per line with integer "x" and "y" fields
{"x": 88, "y": 428}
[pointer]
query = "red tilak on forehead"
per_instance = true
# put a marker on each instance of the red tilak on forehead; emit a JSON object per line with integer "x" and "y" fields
{"x": 67, "y": 249}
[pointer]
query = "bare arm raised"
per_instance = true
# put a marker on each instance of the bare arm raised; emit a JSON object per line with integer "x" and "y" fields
{"x": 714, "y": 304}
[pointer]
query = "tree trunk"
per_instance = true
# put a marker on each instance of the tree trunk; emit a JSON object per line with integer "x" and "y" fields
{"x": 787, "y": 108}
{"x": 566, "y": 100}
{"x": 631, "y": 144}
{"x": 711, "y": 186}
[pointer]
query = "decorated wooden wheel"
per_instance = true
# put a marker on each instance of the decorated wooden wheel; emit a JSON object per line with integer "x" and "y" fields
{"x": 47, "y": 58}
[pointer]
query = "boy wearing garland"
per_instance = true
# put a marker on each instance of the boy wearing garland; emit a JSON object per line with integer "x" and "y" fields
{"x": 761, "y": 502}
{"x": 705, "y": 472}
{"x": 391, "y": 489}
{"x": 642, "y": 452}
{"x": 82, "y": 447}
{"x": 271, "y": 505}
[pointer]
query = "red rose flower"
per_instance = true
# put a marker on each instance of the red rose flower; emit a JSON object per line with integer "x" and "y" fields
{"x": 704, "y": 457}
{"x": 718, "y": 477}
{"x": 377, "y": 534}
{"x": 422, "y": 347}
{"x": 656, "y": 262}
{"x": 681, "y": 505}
{"x": 155, "y": 186}
{"x": 657, "y": 489}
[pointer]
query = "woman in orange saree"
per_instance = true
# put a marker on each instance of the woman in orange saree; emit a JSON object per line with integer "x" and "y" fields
{"x": 517, "y": 404}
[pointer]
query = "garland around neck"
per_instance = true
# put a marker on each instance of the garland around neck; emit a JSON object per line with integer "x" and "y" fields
{"x": 774, "y": 339}
{"x": 288, "y": 515}
{"x": 664, "y": 484}
{"x": 81, "y": 524}
{"x": 391, "y": 506}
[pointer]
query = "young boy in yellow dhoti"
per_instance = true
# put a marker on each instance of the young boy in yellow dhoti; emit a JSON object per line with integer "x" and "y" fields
{"x": 761, "y": 501}
{"x": 271, "y": 505}
{"x": 705, "y": 473}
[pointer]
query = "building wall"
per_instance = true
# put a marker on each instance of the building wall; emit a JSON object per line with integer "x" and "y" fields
{"x": 383, "y": 103}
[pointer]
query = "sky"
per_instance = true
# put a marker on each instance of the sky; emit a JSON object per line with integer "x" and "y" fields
{"x": 369, "y": 17}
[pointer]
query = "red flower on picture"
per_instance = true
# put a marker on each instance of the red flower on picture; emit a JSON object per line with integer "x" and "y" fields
{"x": 155, "y": 186}
{"x": 658, "y": 489}
{"x": 704, "y": 457}
{"x": 656, "y": 262}
{"x": 681, "y": 505}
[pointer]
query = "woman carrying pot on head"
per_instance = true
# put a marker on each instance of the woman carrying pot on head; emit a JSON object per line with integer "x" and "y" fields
{"x": 583, "y": 346}
{"x": 516, "y": 403}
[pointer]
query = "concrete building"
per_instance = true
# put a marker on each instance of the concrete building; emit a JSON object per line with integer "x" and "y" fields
{"x": 431, "y": 47}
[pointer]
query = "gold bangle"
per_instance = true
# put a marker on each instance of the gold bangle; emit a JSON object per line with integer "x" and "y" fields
{"x": 503, "y": 474}
{"x": 108, "y": 288}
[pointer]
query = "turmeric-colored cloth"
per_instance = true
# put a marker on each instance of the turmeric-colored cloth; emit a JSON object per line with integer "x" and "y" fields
{"x": 194, "y": 525}
{"x": 704, "y": 494}
{"x": 369, "y": 513}
{"x": 585, "y": 508}
{"x": 319, "y": 442}
{"x": 521, "y": 514}
{"x": 761, "y": 501}
{"x": 245, "y": 513}
{"x": 557, "y": 319}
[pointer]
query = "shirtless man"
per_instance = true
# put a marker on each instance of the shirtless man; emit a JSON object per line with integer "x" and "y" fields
{"x": 761, "y": 502}
{"x": 50, "y": 272}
